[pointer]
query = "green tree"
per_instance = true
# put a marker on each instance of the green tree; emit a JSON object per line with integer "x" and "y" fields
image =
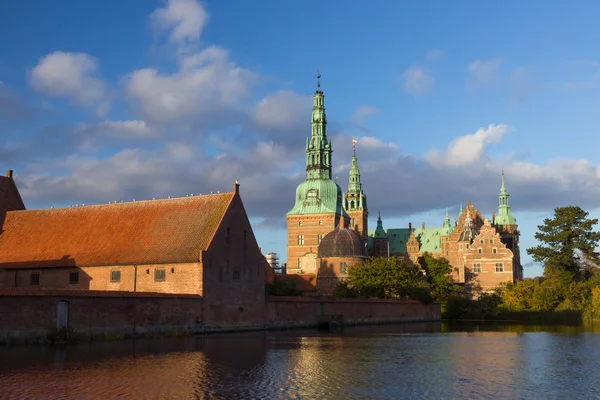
{"x": 437, "y": 273}
{"x": 568, "y": 242}
{"x": 388, "y": 278}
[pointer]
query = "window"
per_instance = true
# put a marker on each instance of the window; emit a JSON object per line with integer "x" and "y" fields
{"x": 34, "y": 279}
{"x": 477, "y": 267}
{"x": 343, "y": 267}
{"x": 236, "y": 274}
{"x": 320, "y": 222}
{"x": 467, "y": 245}
{"x": 491, "y": 241}
{"x": 115, "y": 276}
{"x": 73, "y": 278}
{"x": 319, "y": 238}
{"x": 159, "y": 275}
{"x": 479, "y": 251}
{"x": 494, "y": 250}
{"x": 300, "y": 239}
{"x": 480, "y": 241}
{"x": 499, "y": 267}
{"x": 299, "y": 223}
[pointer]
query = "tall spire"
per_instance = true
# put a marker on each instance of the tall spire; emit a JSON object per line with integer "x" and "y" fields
{"x": 379, "y": 231}
{"x": 318, "y": 147}
{"x": 504, "y": 216}
{"x": 355, "y": 198}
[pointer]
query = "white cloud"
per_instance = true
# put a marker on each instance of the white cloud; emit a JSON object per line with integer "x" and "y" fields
{"x": 207, "y": 83}
{"x": 71, "y": 76}
{"x": 467, "y": 149}
{"x": 416, "y": 80}
{"x": 184, "y": 19}
{"x": 123, "y": 129}
{"x": 484, "y": 72}
{"x": 283, "y": 109}
{"x": 361, "y": 113}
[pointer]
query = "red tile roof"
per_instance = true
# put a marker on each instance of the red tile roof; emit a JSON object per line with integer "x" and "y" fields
{"x": 142, "y": 232}
{"x": 10, "y": 199}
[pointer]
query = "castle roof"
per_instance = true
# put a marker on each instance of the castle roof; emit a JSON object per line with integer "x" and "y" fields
{"x": 342, "y": 243}
{"x": 143, "y": 232}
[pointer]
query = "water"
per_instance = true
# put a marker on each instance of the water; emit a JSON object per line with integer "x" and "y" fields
{"x": 409, "y": 361}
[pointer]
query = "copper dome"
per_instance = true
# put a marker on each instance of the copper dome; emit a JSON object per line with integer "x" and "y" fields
{"x": 342, "y": 243}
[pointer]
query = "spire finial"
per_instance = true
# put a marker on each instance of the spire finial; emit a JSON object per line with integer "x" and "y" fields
{"x": 354, "y": 141}
{"x": 318, "y": 78}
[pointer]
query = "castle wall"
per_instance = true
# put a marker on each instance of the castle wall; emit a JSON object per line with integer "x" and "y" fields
{"x": 33, "y": 315}
{"x": 291, "y": 312}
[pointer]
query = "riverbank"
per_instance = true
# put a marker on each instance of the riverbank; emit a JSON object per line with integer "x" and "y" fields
{"x": 70, "y": 316}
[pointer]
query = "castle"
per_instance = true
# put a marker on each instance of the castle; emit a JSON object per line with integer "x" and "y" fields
{"x": 327, "y": 229}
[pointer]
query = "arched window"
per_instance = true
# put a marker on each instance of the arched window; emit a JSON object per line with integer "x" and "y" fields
{"x": 479, "y": 251}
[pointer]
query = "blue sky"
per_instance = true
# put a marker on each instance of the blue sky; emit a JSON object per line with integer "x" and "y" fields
{"x": 103, "y": 101}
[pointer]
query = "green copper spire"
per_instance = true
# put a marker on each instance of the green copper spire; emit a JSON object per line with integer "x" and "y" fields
{"x": 318, "y": 194}
{"x": 355, "y": 198}
{"x": 379, "y": 231}
{"x": 447, "y": 229}
{"x": 504, "y": 216}
{"x": 318, "y": 147}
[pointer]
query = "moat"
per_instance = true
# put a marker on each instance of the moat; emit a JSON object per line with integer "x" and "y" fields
{"x": 414, "y": 360}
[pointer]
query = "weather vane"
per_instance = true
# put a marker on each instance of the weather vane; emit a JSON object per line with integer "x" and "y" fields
{"x": 318, "y": 78}
{"x": 354, "y": 141}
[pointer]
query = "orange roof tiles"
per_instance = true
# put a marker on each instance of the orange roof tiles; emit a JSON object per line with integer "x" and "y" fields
{"x": 143, "y": 232}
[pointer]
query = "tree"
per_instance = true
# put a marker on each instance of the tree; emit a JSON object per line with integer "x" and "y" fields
{"x": 388, "y": 278}
{"x": 437, "y": 273}
{"x": 568, "y": 241}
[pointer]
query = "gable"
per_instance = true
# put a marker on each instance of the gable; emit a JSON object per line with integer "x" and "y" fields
{"x": 10, "y": 198}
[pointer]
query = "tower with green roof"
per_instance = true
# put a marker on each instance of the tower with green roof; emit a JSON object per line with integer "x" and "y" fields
{"x": 355, "y": 200}
{"x": 506, "y": 225}
{"x": 380, "y": 241}
{"x": 319, "y": 202}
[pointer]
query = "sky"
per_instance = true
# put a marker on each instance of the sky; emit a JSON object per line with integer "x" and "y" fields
{"x": 137, "y": 99}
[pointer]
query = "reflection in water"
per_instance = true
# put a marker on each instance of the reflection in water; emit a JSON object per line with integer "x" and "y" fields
{"x": 418, "y": 360}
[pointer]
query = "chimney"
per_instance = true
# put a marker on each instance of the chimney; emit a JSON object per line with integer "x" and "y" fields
{"x": 493, "y": 217}
{"x": 9, "y": 173}
{"x": 422, "y": 225}
{"x": 236, "y": 187}
{"x": 410, "y": 225}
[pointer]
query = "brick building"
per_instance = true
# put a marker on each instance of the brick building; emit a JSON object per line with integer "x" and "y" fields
{"x": 483, "y": 253}
{"x": 202, "y": 245}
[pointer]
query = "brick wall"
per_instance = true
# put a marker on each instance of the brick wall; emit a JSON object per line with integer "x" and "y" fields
{"x": 286, "y": 312}
{"x": 184, "y": 278}
{"x": 310, "y": 226}
{"x": 32, "y": 315}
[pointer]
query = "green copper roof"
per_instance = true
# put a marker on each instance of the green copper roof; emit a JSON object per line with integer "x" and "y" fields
{"x": 447, "y": 229}
{"x": 355, "y": 198}
{"x": 504, "y": 216}
{"x": 318, "y": 194}
{"x": 379, "y": 231}
{"x": 429, "y": 239}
